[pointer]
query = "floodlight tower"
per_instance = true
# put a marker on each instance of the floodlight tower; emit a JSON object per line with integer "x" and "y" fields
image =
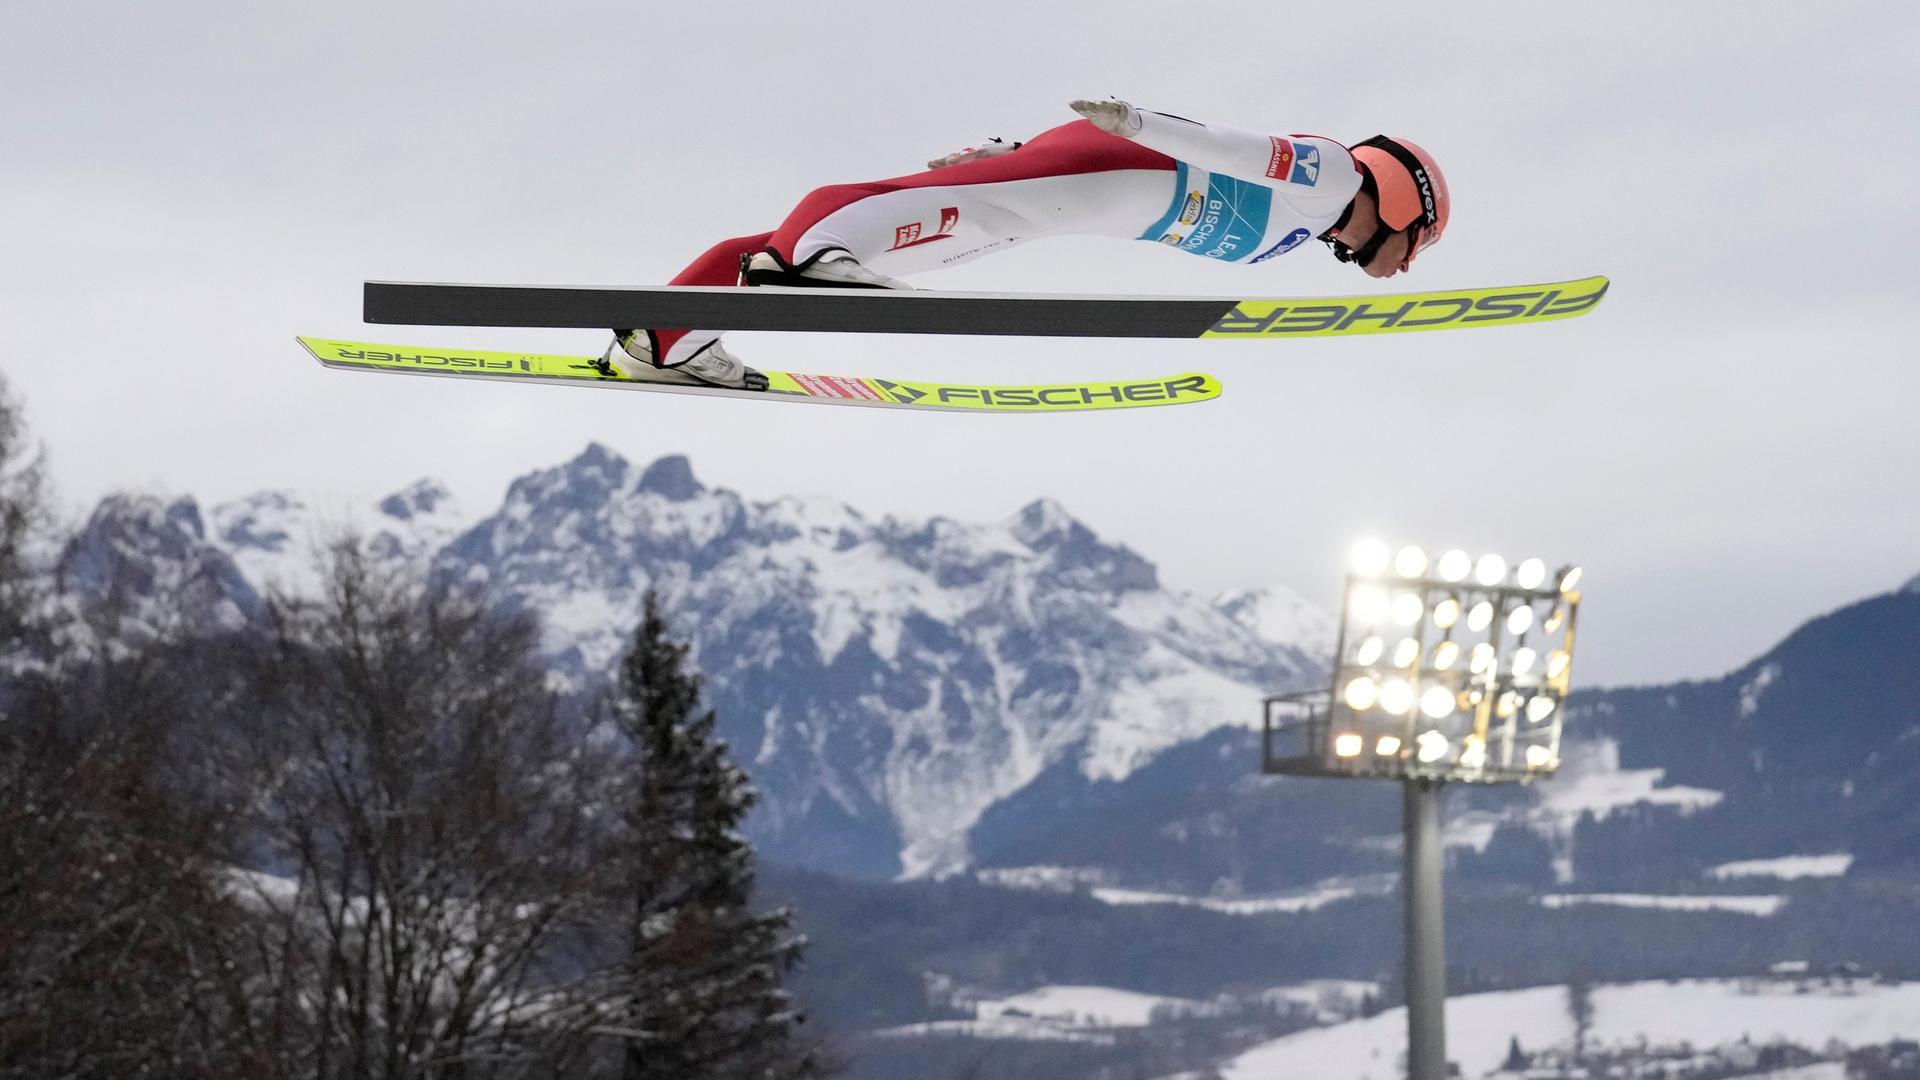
{"x": 1450, "y": 669}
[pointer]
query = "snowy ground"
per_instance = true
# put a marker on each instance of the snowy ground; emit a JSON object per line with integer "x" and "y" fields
{"x": 1002, "y": 1027}
{"x": 1591, "y": 781}
{"x": 1085, "y": 1006}
{"x": 1826, "y": 1070}
{"x": 1702, "y": 1012}
{"x": 1053, "y": 1013}
{"x": 1321, "y": 895}
{"x": 1744, "y": 905}
{"x": 1068, "y": 878}
{"x": 1786, "y": 868}
{"x": 1090, "y": 1013}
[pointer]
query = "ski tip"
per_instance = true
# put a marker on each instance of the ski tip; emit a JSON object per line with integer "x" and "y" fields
{"x": 1402, "y": 313}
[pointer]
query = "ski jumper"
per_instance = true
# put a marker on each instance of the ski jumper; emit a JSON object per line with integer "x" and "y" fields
{"x": 1211, "y": 191}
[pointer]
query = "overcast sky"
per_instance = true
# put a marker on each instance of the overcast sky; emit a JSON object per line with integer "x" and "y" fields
{"x": 1729, "y": 442}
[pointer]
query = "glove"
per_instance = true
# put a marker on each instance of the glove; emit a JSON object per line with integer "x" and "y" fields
{"x": 1111, "y": 116}
{"x": 993, "y": 147}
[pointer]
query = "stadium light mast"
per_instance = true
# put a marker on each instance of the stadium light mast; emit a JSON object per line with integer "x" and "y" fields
{"x": 1450, "y": 669}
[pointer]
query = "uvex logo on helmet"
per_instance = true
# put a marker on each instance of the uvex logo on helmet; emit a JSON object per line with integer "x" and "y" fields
{"x": 1409, "y": 188}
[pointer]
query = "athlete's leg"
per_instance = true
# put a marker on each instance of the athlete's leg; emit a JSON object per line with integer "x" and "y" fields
{"x": 717, "y": 266}
{"x": 1073, "y": 178}
{"x": 721, "y": 263}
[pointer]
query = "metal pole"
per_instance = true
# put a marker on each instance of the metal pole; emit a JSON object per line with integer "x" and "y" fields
{"x": 1426, "y": 933}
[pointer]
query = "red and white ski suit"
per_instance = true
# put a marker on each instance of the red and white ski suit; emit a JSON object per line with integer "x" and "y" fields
{"x": 1213, "y": 191}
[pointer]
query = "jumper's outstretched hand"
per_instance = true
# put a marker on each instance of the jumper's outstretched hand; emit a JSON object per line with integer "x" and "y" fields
{"x": 1110, "y": 116}
{"x": 993, "y": 147}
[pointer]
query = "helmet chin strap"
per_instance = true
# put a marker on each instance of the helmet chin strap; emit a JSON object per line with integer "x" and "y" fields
{"x": 1381, "y": 233}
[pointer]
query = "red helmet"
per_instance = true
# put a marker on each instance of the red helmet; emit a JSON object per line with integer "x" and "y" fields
{"x": 1409, "y": 188}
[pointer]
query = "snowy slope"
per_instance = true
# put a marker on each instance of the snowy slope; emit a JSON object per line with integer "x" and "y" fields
{"x": 1280, "y": 615}
{"x": 1702, "y": 1012}
{"x": 1085, "y": 1006}
{"x": 1785, "y": 868}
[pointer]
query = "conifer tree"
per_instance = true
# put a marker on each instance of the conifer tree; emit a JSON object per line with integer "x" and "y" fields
{"x": 1580, "y": 1008}
{"x": 701, "y": 970}
{"x": 1516, "y": 1058}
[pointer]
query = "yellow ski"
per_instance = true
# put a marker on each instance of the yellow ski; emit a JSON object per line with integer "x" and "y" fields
{"x": 783, "y": 385}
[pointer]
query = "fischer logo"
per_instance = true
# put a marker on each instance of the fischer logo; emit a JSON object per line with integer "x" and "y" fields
{"x": 905, "y": 395}
{"x": 906, "y": 236}
{"x": 1413, "y": 312}
{"x": 1191, "y": 212}
{"x": 1044, "y": 397}
{"x": 1280, "y": 162}
{"x": 434, "y": 360}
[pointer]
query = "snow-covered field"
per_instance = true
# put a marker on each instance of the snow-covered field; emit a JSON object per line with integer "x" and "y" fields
{"x": 1826, "y": 1070}
{"x": 1702, "y": 1012}
{"x": 1045, "y": 878}
{"x": 1591, "y": 781}
{"x": 1090, "y": 1013}
{"x": 1786, "y": 868}
{"x": 1000, "y": 1027}
{"x": 1053, "y": 1014}
{"x": 1743, "y": 905}
{"x": 1085, "y": 1006}
{"x": 1069, "y": 878}
{"x": 1320, "y": 896}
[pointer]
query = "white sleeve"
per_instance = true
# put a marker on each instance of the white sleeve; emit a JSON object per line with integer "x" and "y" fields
{"x": 1297, "y": 165}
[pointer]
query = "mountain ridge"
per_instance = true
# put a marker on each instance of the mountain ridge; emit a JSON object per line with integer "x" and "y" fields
{"x": 921, "y": 697}
{"x": 887, "y": 680}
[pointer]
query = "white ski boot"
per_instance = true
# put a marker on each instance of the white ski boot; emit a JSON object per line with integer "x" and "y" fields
{"x": 833, "y": 270}
{"x": 630, "y": 356}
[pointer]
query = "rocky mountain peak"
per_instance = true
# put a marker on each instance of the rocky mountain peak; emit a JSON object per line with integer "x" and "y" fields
{"x": 671, "y": 478}
{"x": 423, "y": 499}
{"x": 260, "y": 521}
{"x": 136, "y": 550}
{"x": 1073, "y": 549}
{"x": 1044, "y": 523}
{"x": 596, "y": 467}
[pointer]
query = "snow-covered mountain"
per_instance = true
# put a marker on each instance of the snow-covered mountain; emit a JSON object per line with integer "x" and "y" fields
{"x": 1804, "y": 757}
{"x": 919, "y": 697}
{"x": 1278, "y": 614}
{"x": 272, "y": 536}
{"x": 134, "y": 548}
{"x": 886, "y": 681}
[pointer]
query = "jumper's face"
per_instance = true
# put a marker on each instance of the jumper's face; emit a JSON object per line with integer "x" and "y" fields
{"x": 1391, "y": 257}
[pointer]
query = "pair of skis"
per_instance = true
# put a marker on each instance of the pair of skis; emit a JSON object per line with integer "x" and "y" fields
{"x": 866, "y": 311}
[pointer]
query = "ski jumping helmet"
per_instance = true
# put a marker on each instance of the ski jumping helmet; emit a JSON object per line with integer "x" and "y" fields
{"x": 1411, "y": 194}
